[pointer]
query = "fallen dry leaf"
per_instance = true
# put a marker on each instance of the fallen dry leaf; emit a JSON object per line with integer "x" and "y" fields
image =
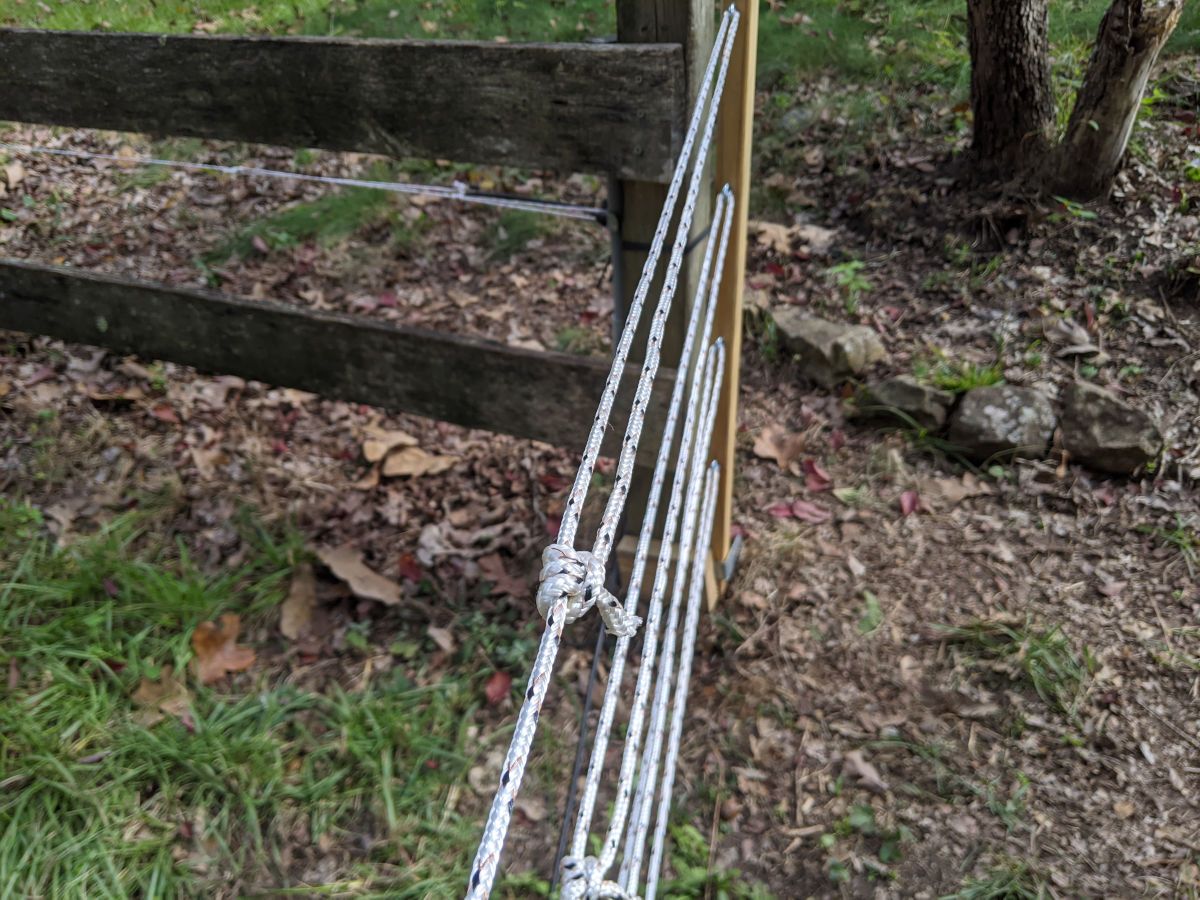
{"x": 380, "y": 443}
{"x": 14, "y": 173}
{"x": 166, "y": 697}
{"x": 809, "y": 512}
{"x": 910, "y": 502}
{"x": 799, "y": 509}
{"x": 217, "y": 650}
{"x": 492, "y": 568}
{"x": 348, "y": 565}
{"x": 816, "y": 479}
{"x": 865, "y": 772}
{"x": 296, "y": 613}
{"x": 497, "y": 687}
{"x": 442, "y": 637}
{"x": 777, "y": 443}
{"x": 414, "y": 461}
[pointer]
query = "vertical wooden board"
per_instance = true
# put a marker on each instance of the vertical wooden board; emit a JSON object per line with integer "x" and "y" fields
{"x": 733, "y": 168}
{"x": 691, "y": 23}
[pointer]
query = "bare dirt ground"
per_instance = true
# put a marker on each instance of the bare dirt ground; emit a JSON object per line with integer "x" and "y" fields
{"x": 929, "y": 675}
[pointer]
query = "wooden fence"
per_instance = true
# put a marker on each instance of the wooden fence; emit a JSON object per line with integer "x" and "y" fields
{"x": 618, "y": 109}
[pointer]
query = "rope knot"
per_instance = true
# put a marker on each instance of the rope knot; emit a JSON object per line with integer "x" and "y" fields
{"x": 578, "y": 576}
{"x": 583, "y": 879}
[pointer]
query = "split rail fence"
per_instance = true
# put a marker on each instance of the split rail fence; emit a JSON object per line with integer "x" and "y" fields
{"x": 613, "y": 108}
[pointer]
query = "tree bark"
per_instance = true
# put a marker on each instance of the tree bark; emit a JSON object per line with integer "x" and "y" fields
{"x": 1011, "y": 96}
{"x": 1127, "y": 45}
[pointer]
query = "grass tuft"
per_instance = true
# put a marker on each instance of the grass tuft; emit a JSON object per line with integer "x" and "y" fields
{"x": 244, "y": 791}
{"x": 1040, "y": 658}
{"x": 1013, "y": 881}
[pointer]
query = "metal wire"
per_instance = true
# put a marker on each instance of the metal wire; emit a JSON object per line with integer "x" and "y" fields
{"x": 457, "y": 192}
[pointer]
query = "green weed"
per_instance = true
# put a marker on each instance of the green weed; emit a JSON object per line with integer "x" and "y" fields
{"x": 956, "y": 377}
{"x": 1014, "y": 880}
{"x": 689, "y": 854}
{"x": 513, "y": 231}
{"x": 1183, "y": 537}
{"x": 850, "y": 282}
{"x": 1041, "y": 658}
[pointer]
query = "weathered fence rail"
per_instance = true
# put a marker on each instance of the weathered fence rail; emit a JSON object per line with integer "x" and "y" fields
{"x": 612, "y": 108}
{"x": 480, "y": 384}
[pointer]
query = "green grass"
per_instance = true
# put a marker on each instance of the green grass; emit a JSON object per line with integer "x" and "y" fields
{"x": 1012, "y": 881}
{"x": 480, "y": 19}
{"x": 326, "y": 220}
{"x": 95, "y": 804}
{"x": 513, "y": 231}
{"x": 957, "y": 377}
{"x": 1039, "y": 658}
{"x": 689, "y": 854}
{"x": 1184, "y": 538}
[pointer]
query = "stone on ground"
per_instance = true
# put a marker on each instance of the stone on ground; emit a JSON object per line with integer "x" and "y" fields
{"x": 1003, "y": 420}
{"x": 1105, "y": 433}
{"x": 903, "y": 398}
{"x": 829, "y": 352}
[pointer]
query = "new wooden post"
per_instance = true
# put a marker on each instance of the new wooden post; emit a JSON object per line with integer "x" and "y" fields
{"x": 733, "y": 168}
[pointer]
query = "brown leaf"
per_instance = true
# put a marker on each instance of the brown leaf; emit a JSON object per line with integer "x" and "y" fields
{"x": 368, "y": 482}
{"x": 296, "y": 613}
{"x": 379, "y": 443}
{"x": 14, "y": 173}
{"x": 492, "y": 568}
{"x": 1112, "y": 589}
{"x": 442, "y": 637}
{"x": 217, "y": 649}
{"x": 348, "y": 565}
{"x": 809, "y": 512}
{"x": 497, "y": 687}
{"x": 168, "y": 695}
{"x": 414, "y": 461}
{"x": 816, "y": 479}
{"x": 854, "y": 764}
{"x": 777, "y": 443}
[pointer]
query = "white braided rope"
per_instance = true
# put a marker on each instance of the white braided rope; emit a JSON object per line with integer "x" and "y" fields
{"x": 575, "y": 863}
{"x": 639, "y": 822}
{"x": 572, "y": 574}
{"x": 687, "y": 651}
{"x": 456, "y": 192}
{"x": 722, "y": 48}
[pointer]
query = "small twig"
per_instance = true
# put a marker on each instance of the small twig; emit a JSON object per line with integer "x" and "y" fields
{"x": 712, "y": 832}
{"x": 1165, "y": 721}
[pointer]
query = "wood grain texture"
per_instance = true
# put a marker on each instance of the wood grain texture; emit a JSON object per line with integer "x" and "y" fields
{"x": 735, "y": 132}
{"x": 549, "y": 397}
{"x": 572, "y": 107}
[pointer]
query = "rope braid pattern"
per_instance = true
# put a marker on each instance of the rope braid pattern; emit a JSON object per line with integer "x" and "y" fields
{"x": 570, "y": 586}
{"x": 723, "y": 218}
{"x": 687, "y": 651}
{"x": 635, "y": 837}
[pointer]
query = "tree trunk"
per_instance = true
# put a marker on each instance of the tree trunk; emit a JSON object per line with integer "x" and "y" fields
{"x": 1011, "y": 97}
{"x": 1130, "y": 38}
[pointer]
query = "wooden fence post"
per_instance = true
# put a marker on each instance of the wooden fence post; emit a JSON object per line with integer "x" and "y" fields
{"x": 735, "y": 131}
{"x": 692, "y": 24}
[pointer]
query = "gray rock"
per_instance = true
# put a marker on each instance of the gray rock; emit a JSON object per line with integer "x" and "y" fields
{"x": 925, "y": 405}
{"x": 796, "y": 119}
{"x": 1003, "y": 420}
{"x": 829, "y": 351}
{"x": 1105, "y": 433}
